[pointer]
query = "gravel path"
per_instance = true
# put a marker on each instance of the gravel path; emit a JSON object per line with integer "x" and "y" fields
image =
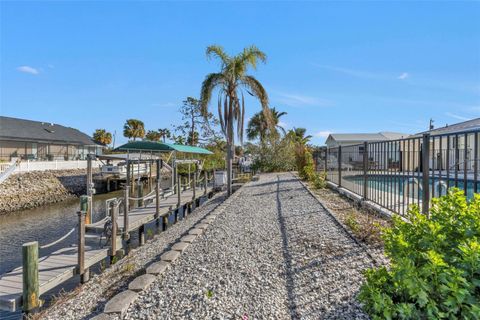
{"x": 90, "y": 298}
{"x": 274, "y": 253}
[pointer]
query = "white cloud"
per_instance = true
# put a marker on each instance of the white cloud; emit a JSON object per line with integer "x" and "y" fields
{"x": 299, "y": 100}
{"x": 456, "y": 116}
{"x": 352, "y": 72}
{"x": 28, "y": 69}
{"x": 323, "y": 134}
{"x": 403, "y": 76}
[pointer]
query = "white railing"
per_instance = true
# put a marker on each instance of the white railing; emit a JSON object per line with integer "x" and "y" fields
{"x": 27, "y": 166}
{"x": 6, "y": 169}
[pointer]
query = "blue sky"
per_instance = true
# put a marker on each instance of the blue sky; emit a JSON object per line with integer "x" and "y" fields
{"x": 333, "y": 66}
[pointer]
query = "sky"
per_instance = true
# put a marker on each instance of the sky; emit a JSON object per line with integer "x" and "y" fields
{"x": 332, "y": 66}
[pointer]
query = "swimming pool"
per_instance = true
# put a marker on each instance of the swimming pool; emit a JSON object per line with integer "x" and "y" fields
{"x": 412, "y": 185}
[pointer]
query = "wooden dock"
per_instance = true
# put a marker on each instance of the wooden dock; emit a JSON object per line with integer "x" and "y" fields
{"x": 62, "y": 265}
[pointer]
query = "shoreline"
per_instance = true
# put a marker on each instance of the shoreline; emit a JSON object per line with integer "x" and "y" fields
{"x": 30, "y": 190}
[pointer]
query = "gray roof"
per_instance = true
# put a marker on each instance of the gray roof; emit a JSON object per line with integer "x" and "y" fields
{"x": 28, "y": 130}
{"x": 465, "y": 126}
{"x": 381, "y": 136}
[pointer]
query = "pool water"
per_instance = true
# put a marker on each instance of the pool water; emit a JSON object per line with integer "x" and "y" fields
{"x": 413, "y": 185}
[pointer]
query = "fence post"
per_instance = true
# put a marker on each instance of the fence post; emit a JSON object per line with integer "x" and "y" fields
{"x": 425, "y": 174}
{"x": 81, "y": 246}
{"x": 31, "y": 290}
{"x": 326, "y": 161}
{"x": 339, "y": 166}
{"x": 365, "y": 170}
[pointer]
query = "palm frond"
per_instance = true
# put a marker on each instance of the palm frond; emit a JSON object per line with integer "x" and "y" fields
{"x": 219, "y": 52}
{"x": 211, "y": 81}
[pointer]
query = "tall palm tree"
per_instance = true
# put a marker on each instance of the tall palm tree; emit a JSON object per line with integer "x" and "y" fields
{"x": 258, "y": 126}
{"x": 164, "y": 133}
{"x": 134, "y": 128}
{"x": 231, "y": 81}
{"x": 102, "y": 136}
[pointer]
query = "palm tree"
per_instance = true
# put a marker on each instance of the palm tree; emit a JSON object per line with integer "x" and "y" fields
{"x": 134, "y": 128}
{"x": 258, "y": 126}
{"x": 298, "y": 136}
{"x": 179, "y": 139}
{"x": 153, "y": 135}
{"x": 102, "y": 136}
{"x": 231, "y": 81}
{"x": 164, "y": 133}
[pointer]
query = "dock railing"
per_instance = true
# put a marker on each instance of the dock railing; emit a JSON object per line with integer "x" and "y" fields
{"x": 396, "y": 174}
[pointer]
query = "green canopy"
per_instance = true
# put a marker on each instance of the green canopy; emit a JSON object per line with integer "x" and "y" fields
{"x": 155, "y": 146}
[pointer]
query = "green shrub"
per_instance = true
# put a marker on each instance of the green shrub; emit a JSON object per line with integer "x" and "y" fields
{"x": 435, "y": 264}
{"x": 319, "y": 180}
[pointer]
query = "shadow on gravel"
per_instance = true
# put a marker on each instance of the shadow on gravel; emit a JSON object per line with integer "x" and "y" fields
{"x": 269, "y": 183}
{"x": 292, "y": 306}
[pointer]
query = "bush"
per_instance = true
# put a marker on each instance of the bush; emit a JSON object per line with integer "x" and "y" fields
{"x": 435, "y": 264}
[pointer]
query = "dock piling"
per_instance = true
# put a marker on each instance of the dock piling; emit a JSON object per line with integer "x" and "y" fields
{"x": 31, "y": 299}
{"x": 81, "y": 244}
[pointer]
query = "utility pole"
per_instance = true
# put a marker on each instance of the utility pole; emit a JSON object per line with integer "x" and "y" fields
{"x": 431, "y": 124}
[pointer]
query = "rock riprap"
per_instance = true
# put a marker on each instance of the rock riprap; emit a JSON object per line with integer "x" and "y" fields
{"x": 33, "y": 189}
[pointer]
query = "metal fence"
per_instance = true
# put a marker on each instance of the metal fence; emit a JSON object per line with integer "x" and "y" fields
{"x": 396, "y": 174}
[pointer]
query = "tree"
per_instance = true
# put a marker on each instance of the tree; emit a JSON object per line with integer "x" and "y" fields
{"x": 102, "y": 136}
{"x": 231, "y": 81}
{"x": 298, "y": 136}
{"x": 197, "y": 126}
{"x": 153, "y": 135}
{"x": 164, "y": 134}
{"x": 134, "y": 128}
{"x": 258, "y": 125}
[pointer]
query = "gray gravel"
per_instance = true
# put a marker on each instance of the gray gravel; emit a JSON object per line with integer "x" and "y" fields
{"x": 90, "y": 298}
{"x": 274, "y": 253}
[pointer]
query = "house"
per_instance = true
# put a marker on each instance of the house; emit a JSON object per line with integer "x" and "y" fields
{"x": 454, "y": 142}
{"x": 43, "y": 141}
{"x": 348, "y": 139}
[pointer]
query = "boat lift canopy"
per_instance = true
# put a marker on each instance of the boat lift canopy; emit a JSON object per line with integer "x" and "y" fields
{"x": 154, "y": 146}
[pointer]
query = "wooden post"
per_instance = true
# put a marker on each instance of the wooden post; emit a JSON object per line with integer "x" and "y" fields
{"x": 126, "y": 235}
{"x": 88, "y": 219}
{"x": 141, "y": 235}
{"x": 140, "y": 194}
{"x": 194, "y": 185}
{"x": 205, "y": 182}
{"x": 179, "y": 190}
{"x": 81, "y": 243}
{"x": 157, "y": 190}
{"x": 31, "y": 290}
{"x": 84, "y": 204}
{"x": 114, "y": 216}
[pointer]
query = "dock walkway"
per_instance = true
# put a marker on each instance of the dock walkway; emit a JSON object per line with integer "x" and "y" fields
{"x": 61, "y": 265}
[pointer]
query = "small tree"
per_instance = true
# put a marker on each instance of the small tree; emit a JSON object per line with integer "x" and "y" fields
{"x": 102, "y": 136}
{"x": 164, "y": 134}
{"x": 197, "y": 127}
{"x": 258, "y": 126}
{"x": 153, "y": 135}
{"x": 134, "y": 128}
